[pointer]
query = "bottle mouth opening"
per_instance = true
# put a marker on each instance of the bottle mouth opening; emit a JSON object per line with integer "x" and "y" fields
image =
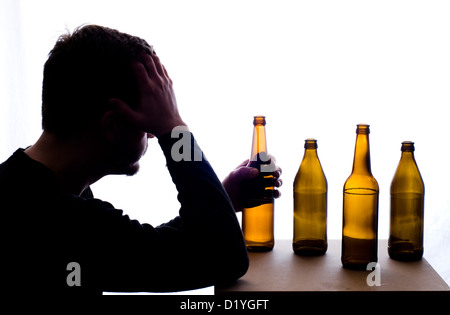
{"x": 407, "y": 146}
{"x": 363, "y": 129}
{"x": 259, "y": 120}
{"x": 310, "y": 143}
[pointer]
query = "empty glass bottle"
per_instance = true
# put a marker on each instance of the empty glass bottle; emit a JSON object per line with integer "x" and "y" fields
{"x": 258, "y": 215}
{"x": 407, "y": 207}
{"x": 310, "y": 204}
{"x": 360, "y": 214}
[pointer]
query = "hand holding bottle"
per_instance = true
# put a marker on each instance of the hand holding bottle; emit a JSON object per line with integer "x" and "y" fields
{"x": 240, "y": 181}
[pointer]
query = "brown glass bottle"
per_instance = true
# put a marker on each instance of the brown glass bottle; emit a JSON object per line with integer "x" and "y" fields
{"x": 310, "y": 205}
{"x": 360, "y": 214}
{"x": 258, "y": 216}
{"x": 407, "y": 207}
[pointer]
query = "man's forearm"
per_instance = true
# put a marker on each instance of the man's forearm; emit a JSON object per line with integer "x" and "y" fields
{"x": 206, "y": 211}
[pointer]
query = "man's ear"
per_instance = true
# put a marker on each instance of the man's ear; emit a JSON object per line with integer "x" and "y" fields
{"x": 110, "y": 125}
{"x": 124, "y": 110}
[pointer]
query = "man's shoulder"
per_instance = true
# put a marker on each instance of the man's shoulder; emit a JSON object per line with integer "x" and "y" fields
{"x": 20, "y": 167}
{"x": 13, "y": 161}
{"x": 28, "y": 186}
{"x": 25, "y": 182}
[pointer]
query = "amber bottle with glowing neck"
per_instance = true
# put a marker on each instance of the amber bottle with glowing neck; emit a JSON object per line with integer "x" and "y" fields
{"x": 360, "y": 209}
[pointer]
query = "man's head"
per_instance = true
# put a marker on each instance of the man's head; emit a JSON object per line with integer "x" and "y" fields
{"x": 84, "y": 71}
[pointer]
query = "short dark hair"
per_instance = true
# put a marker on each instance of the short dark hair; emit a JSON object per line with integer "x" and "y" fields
{"x": 83, "y": 71}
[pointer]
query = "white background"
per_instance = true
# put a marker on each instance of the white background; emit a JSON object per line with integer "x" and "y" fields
{"x": 313, "y": 68}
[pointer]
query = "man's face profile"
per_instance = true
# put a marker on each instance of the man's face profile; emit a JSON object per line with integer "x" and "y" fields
{"x": 126, "y": 151}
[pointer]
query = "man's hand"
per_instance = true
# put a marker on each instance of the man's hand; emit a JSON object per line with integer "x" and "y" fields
{"x": 237, "y": 182}
{"x": 157, "y": 111}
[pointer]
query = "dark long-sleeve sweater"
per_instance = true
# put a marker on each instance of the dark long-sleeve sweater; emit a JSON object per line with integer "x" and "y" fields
{"x": 44, "y": 229}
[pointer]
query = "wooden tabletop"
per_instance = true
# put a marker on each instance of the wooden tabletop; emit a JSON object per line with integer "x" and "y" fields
{"x": 281, "y": 270}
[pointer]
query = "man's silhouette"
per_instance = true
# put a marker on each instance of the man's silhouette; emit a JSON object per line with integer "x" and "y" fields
{"x": 104, "y": 94}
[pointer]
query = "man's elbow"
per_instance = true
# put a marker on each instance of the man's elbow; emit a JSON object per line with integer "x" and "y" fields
{"x": 243, "y": 267}
{"x": 234, "y": 268}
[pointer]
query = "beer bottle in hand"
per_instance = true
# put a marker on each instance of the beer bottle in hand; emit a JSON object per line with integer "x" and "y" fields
{"x": 258, "y": 214}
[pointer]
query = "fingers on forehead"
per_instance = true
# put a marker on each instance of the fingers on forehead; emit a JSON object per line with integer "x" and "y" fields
{"x": 153, "y": 65}
{"x": 148, "y": 62}
{"x": 140, "y": 72}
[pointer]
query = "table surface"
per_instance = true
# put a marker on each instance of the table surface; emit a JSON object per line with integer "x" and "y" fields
{"x": 281, "y": 270}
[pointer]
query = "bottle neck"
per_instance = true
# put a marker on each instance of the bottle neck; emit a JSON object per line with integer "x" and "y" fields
{"x": 407, "y": 160}
{"x": 310, "y": 148}
{"x": 407, "y": 151}
{"x": 259, "y": 143}
{"x": 259, "y": 146}
{"x": 407, "y": 155}
{"x": 361, "y": 161}
{"x": 310, "y": 154}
